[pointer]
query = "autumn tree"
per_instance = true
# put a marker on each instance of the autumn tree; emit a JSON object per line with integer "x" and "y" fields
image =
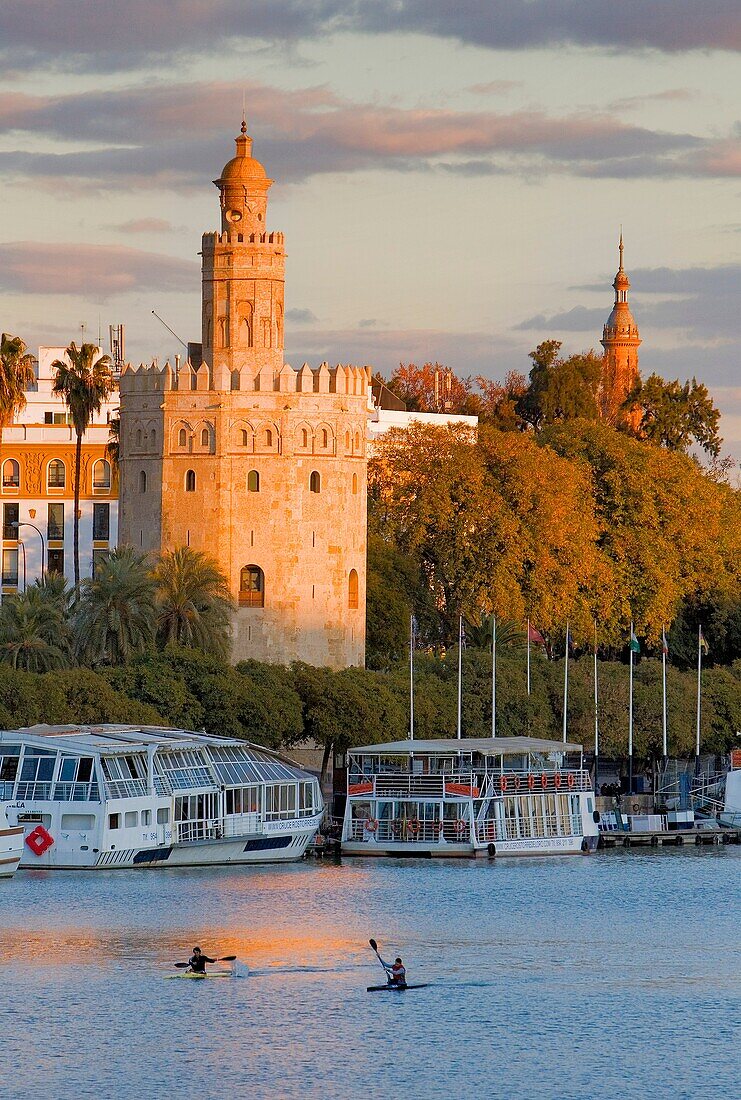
{"x": 675, "y": 415}
{"x": 560, "y": 389}
{"x": 433, "y": 388}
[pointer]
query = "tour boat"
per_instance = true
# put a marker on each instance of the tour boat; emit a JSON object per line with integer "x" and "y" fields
{"x": 11, "y": 845}
{"x": 504, "y": 796}
{"x": 140, "y": 796}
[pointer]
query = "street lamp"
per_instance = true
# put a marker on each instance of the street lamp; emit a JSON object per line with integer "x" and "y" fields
{"x": 43, "y": 544}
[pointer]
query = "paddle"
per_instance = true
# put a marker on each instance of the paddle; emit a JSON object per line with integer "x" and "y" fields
{"x": 223, "y": 959}
{"x": 374, "y": 945}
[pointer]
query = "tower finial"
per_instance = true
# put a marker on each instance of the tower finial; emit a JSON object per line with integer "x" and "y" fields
{"x": 244, "y": 113}
{"x": 621, "y": 247}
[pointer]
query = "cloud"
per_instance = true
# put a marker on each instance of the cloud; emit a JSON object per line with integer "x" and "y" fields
{"x": 578, "y": 319}
{"x": 163, "y": 136}
{"x": 495, "y": 87}
{"x": 145, "y": 225}
{"x": 669, "y": 95}
{"x": 29, "y": 267}
{"x": 367, "y": 322}
{"x": 121, "y": 36}
{"x": 301, "y": 316}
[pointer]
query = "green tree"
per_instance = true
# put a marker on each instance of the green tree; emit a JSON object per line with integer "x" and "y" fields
{"x": 16, "y": 375}
{"x": 34, "y": 634}
{"x": 116, "y": 614}
{"x": 194, "y": 606}
{"x": 676, "y": 415}
{"x": 560, "y": 389}
{"x": 84, "y": 383}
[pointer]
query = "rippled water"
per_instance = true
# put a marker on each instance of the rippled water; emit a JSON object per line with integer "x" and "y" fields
{"x": 610, "y": 975}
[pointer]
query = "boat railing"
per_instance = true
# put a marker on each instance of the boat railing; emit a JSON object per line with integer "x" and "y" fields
{"x": 125, "y": 788}
{"x": 76, "y": 792}
{"x": 241, "y": 824}
{"x": 33, "y": 791}
{"x": 535, "y": 827}
{"x": 400, "y": 785}
{"x": 409, "y": 831}
{"x": 198, "y": 829}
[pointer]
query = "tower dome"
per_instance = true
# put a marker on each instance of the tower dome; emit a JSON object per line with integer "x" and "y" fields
{"x": 243, "y": 186}
{"x": 242, "y": 167}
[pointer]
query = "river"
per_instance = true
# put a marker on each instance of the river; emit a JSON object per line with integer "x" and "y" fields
{"x": 615, "y": 974}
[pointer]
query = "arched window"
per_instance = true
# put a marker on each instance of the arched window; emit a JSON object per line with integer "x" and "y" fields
{"x": 138, "y": 437}
{"x": 304, "y": 438}
{"x": 205, "y": 438}
{"x": 347, "y": 441}
{"x": 315, "y": 482}
{"x": 354, "y": 483}
{"x": 352, "y": 590}
{"x": 357, "y": 441}
{"x": 56, "y": 474}
{"x": 11, "y": 474}
{"x": 182, "y": 438}
{"x": 325, "y": 438}
{"x": 153, "y": 440}
{"x": 252, "y": 586}
{"x": 253, "y": 482}
{"x": 268, "y": 437}
{"x": 245, "y": 437}
{"x": 102, "y": 474}
{"x": 190, "y": 481}
{"x": 235, "y": 380}
{"x": 142, "y": 481}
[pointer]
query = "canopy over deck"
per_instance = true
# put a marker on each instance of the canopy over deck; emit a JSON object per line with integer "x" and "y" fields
{"x": 484, "y": 746}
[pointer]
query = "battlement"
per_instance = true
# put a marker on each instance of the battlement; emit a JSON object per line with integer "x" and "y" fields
{"x": 350, "y": 380}
{"x": 210, "y": 240}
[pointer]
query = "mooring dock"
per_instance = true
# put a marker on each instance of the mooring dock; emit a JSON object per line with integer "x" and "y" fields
{"x": 672, "y": 837}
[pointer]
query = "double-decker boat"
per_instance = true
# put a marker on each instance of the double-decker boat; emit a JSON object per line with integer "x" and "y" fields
{"x": 504, "y": 796}
{"x": 11, "y": 845}
{"x": 140, "y": 796}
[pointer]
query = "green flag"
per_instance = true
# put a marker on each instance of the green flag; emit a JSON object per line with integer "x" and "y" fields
{"x": 635, "y": 645}
{"x": 703, "y": 644}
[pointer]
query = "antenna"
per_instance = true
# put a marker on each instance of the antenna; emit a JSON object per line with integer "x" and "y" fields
{"x": 171, "y": 331}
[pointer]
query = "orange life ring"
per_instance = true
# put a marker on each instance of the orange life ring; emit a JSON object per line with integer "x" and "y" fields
{"x": 371, "y": 825}
{"x": 414, "y": 826}
{"x": 557, "y": 781}
{"x": 396, "y": 827}
{"x": 517, "y": 782}
{"x": 571, "y": 781}
{"x": 531, "y": 782}
{"x": 543, "y": 781}
{"x": 461, "y": 825}
{"x": 502, "y": 782}
{"x": 439, "y": 827}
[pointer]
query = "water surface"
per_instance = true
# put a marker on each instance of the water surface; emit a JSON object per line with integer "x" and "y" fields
{"x": 614, "y": 974}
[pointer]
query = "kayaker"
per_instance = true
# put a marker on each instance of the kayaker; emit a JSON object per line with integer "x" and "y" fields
{"x": 396, "y": 971}
{"x": 197, "y": 961}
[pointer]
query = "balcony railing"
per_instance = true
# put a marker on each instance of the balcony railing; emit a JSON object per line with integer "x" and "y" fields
{"x": 76, "y": 792}
{"x": 201, "y": 829}
{"x": 400, "y": 785}
{"x": 537, "y": 827}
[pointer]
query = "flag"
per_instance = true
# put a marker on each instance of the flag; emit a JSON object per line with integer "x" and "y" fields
{"x": 534, "y": 635}
{"x": 664, "y": 643}
{"x": 703, "y": 644}
{"x": 635, "y": 645}
{"x": 463, "y": 635}
{"x": 569, "y": 641}
{"x": 415, "y": 629}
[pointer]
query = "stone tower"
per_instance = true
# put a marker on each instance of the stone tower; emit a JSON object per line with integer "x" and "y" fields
{"x": 621, "y": 341}
{"x": 261, "y": 466}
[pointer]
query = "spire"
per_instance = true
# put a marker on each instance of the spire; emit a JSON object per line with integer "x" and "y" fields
{"x": 621, "y": 249}
{"x": 244, "y": 114}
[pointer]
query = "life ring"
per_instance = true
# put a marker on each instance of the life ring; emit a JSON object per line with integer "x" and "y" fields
{"x": 461, "y": 825}
{"x": 396, "y": 827}
{"x": 502, "y": 782}
{"x": 531, "y": 782}
{"x": 636, "y": 807}
{"x": 571, "y": 781}
{"x": 414, "y": 826}
{"x": 543, "y": 781}
{"x": 371, "y": 825}
{"x": 557, "y": 781}
{"x": 517, "y": 782}
{"x": 439, "y": 827}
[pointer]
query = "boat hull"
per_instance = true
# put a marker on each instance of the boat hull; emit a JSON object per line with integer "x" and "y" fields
{"x": 11, "y": 850}
{"x": 544, "y": 846}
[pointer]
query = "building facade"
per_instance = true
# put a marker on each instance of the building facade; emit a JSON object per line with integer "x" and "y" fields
{"x": 621, "y": 341}
{"x": 38, "y": 468}
{"x": 261, "y": 466}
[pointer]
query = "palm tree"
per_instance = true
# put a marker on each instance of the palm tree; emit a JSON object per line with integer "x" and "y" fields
{"x": 510, "y": 635}
{"x": 84, "y": 383}
{"x": 34, "y": 633}
{"x": 116, "y": 616}
{"x": 194, "y": 605}
{"x": 16, "y": 375}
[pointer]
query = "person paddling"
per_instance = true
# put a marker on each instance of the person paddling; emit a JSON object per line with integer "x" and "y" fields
{"x": 396, "y": 971}
{"x": 197, "y": 961}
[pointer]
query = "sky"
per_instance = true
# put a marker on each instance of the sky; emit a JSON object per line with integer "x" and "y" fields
{"x": 451, "y": 175}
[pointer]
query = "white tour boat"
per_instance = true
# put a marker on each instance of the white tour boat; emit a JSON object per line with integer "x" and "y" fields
{"x": 504, "y": 796}
{"x": 140, "y": 796}
{"x": 11, "y": 845}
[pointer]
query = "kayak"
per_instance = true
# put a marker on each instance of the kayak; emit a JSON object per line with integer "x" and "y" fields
{"x": 200, "y": 977}
{"x": 395, "y": 988}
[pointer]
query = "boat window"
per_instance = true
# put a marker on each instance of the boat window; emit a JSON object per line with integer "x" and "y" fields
{"x": 9, "y": 763}
{"x": 78, "y": 821}
{"x": 163, "y": 815}
{"x": 114, "y": 821}
{"x": 243, "y": 800}
{"x": 146, "y": 817}
{"x": 68, "y": 769}
{"x": 85, "y": 769}
{"x": 131, "y": 819}
{"x": 37, "y": 768}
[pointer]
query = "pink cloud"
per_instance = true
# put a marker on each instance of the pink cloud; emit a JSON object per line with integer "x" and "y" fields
{"x": 30, "y": 267}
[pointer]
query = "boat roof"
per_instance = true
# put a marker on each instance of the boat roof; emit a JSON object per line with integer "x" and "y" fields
{"x": 484, "y": 746}
{"x": 110, "y": 738}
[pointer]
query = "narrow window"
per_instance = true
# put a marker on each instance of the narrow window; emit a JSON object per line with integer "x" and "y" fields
{"x": 11, "y": 519}
{"x": 114, "y": 821}
{"x": 55, "y": 521}
{"x": 325, "y": 438}
{"x": 182, "y": 438}
{"x": 354, "y": 483}
{"x": 56, "y": 474}
{"x": 347, "y": 441}
{"x": 11, "y": 474}
{"x": 163, "y": 815}
{"x": 245, "y": 437}
{"x": 315, "y": 482}
{"x": 10, "y": 566}
{"x": 357, "y": 441}
{"x": 268, "y": 438}
{"x": 253, "y": 481}
{"x": 55, "y": 561}
{"x": 102, "y": 474}
{"x": 142, "y": 481}
{"x": 146, "y": 817}
{"x": 252, "y": 586}
{"x": 101, "y": 522}
{"x": 190, "y": 481}
{"x": 235, "y": 378}
{"x": 131, "y": 819}
{"x": 153, "y": 440}
{"x": 352, "y": 590}
{"x": 138, "y": 437}
{"x": 205, "y": 438}
{"x": 304, "y": 438}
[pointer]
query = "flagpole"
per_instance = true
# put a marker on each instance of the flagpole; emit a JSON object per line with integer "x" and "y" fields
{"x": 596, "y": 713}
{"x": 493, "y": 675}
{"x": 664, "y": 730}
{"x": 630, "y": 717}
{"x": 460, "y": 672}
{"x": 699, "y": 686}
{"x": 528, "y": 656}
{"x": 566, "y": 683}
{"x": 411, "y": 677}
